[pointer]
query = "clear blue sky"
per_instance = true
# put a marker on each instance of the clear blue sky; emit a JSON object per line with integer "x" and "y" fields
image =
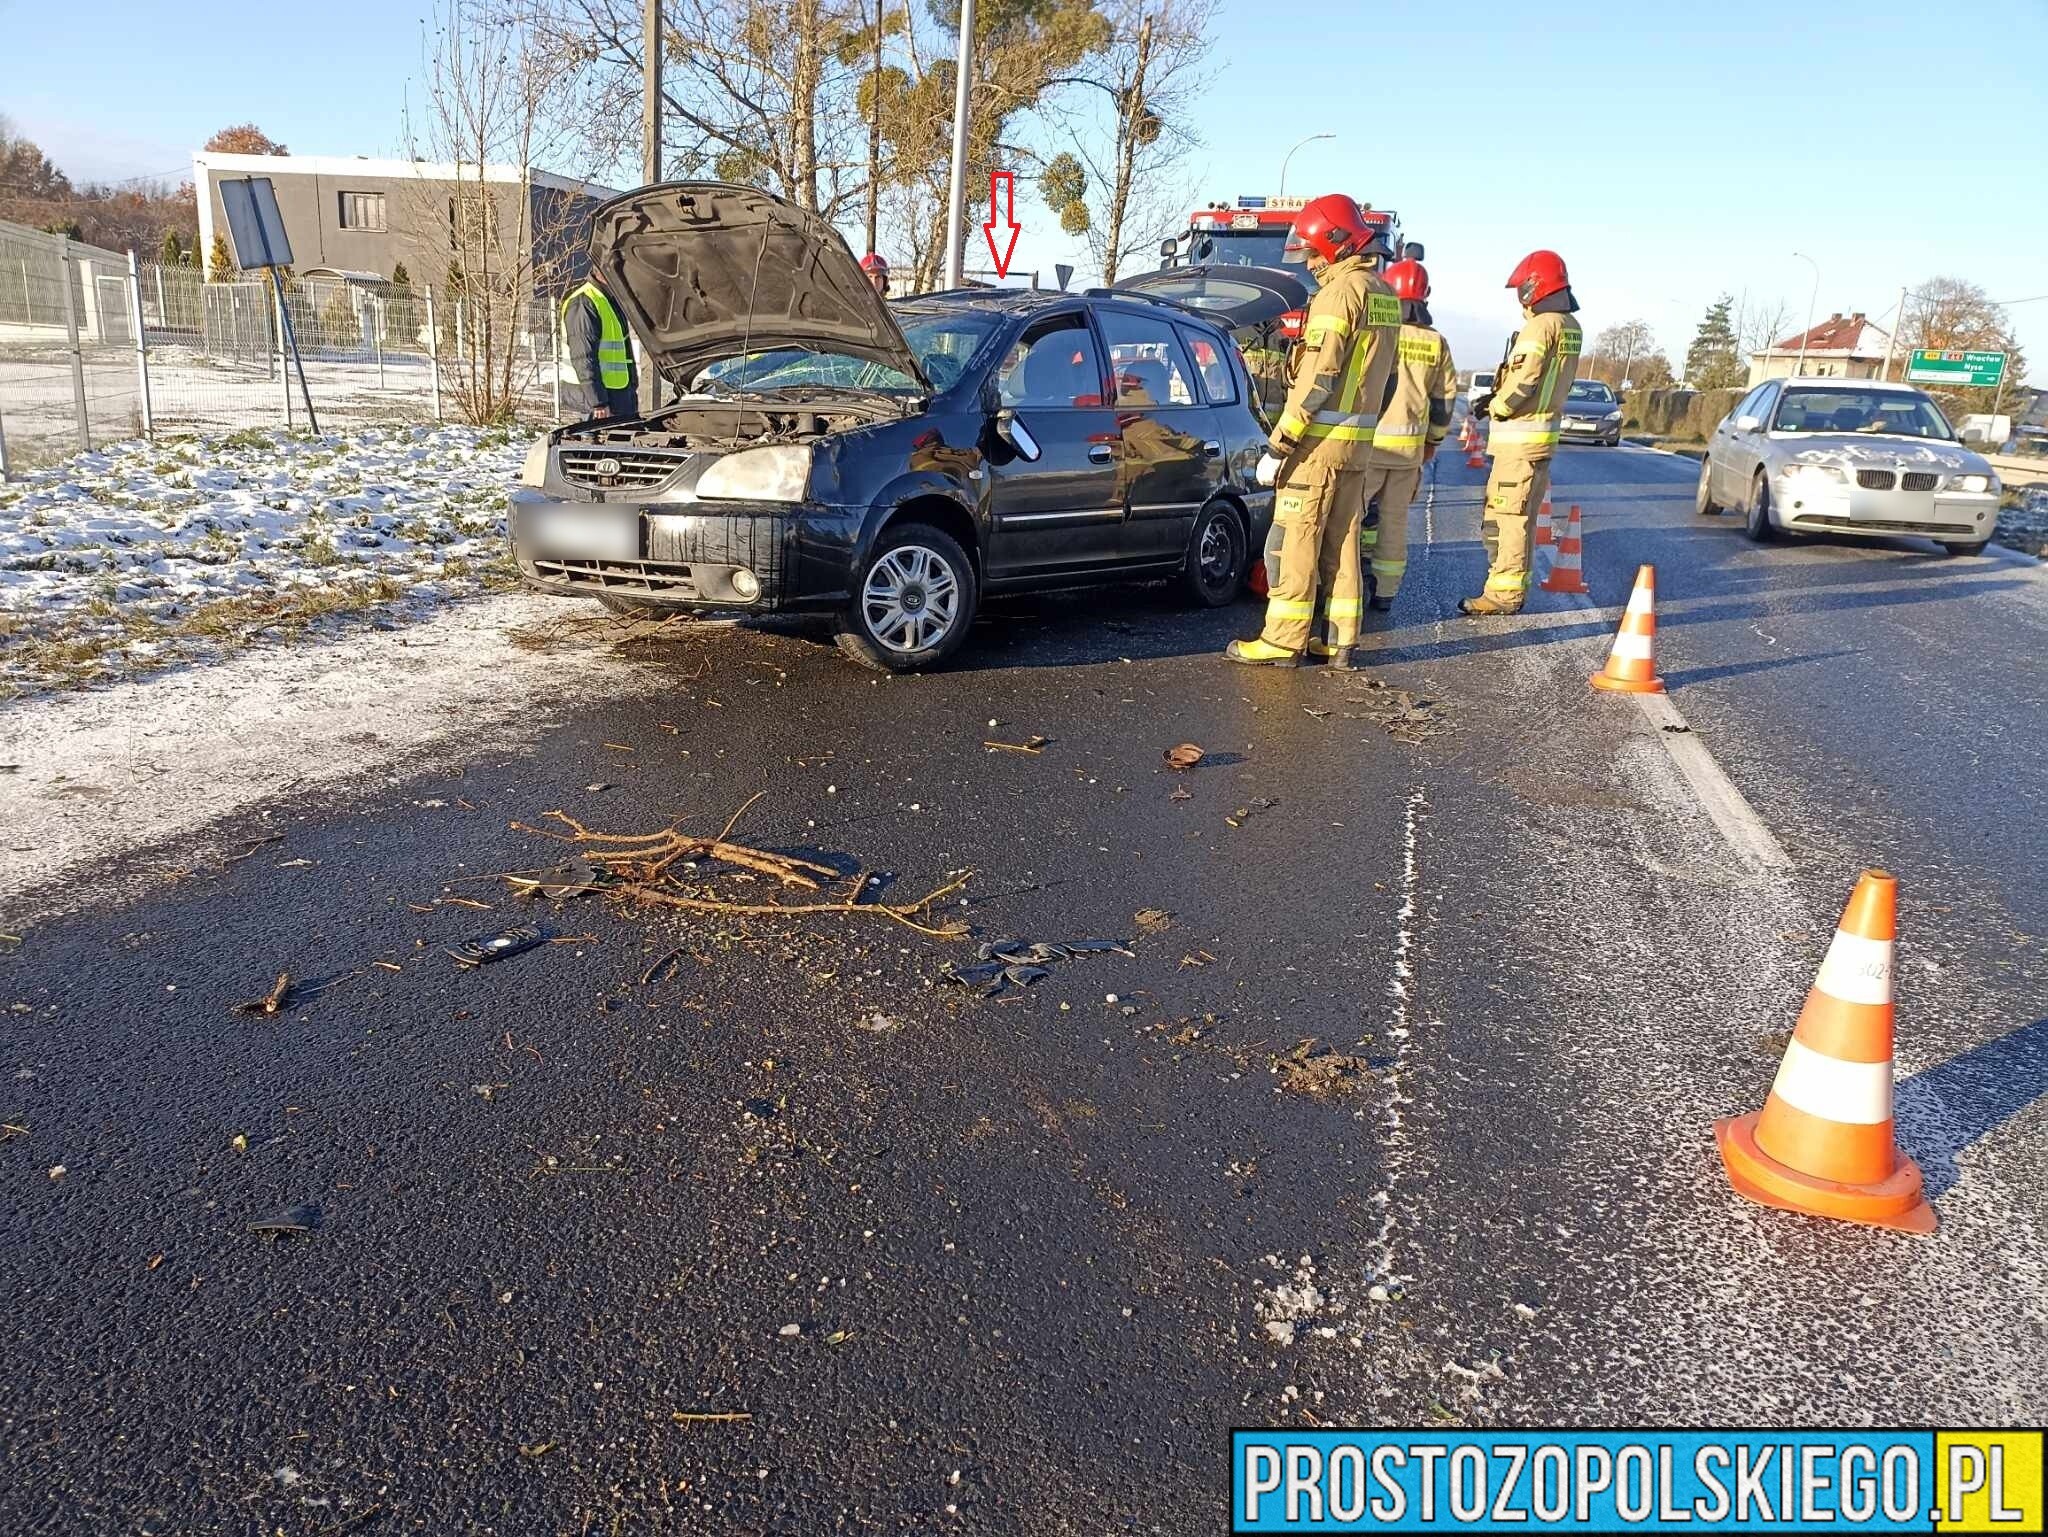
{"x": 1668, "y": 161}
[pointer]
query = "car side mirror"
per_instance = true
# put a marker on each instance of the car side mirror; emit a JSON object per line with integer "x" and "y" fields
{"x": 1747, "y": 423}
{"x": 1167, "y": 247}
{"x": 1017, "y": 436}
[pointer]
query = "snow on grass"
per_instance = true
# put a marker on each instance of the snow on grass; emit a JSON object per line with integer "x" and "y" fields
{"x": 144, "y": 555}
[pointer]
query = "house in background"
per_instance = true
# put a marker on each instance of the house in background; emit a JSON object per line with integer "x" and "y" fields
{"x": 367, "y": 216}
{"x": 1840, "y": 347}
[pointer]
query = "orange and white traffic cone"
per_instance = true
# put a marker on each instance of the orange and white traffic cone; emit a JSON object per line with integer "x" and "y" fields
{"x": 1566, "y": 575}
{"x": 1544, "y": 533}
{"x": 1823, "y": 1143}
{"x": 1632, "y": 664}
{"x": 1475, "y": 458}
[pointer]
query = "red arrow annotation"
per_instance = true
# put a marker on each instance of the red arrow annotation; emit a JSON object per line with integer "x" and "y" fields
{"x": 1002, "y": 206}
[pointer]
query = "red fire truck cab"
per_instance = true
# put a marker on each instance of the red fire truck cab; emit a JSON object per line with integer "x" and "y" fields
{"x": 1253, "y": 233}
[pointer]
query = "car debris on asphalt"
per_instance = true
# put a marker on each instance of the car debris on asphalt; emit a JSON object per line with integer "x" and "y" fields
{"x": 293, "y": 1221}
{"x": 483, "y": 949}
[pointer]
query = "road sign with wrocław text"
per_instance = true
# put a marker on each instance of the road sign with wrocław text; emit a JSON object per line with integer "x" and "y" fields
{"x": 1935, "y": 366}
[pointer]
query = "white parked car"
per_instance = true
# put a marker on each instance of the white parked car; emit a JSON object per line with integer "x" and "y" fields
{"x": 1848, "y": 456}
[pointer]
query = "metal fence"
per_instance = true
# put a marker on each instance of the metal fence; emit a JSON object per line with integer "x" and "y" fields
{"x": 96, "y": 346}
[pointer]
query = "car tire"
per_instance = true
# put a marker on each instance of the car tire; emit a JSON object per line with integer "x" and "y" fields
{"x": 633, "y": 608}
{"x": 1215, "y": 570}
{"x": 1757, "y": 522}
{"x": 1965, "y": 547}
{"x": 1702, "y": 502}
{"x": 913, "y": 601}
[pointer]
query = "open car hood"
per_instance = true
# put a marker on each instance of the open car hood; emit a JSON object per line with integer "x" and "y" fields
{"x": 705, "y": 271}
{"x": 1235, "y": 297}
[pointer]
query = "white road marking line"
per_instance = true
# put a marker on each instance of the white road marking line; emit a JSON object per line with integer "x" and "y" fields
{"x": 1725, "y": 806}
{"x": 1723, "y": 803}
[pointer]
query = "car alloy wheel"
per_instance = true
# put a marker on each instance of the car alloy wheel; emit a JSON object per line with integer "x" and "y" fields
{"x": 1702, "y": 498}
{"x": 1758, "y": 522}
{"x": 1215, "y": 566}
{"x": 911, "y": 600}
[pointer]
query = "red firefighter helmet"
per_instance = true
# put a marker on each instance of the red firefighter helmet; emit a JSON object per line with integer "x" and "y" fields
{"x": 1538, "y": 275}
{"x": 873, "y": 263}
{"x": 1332, "y": 227}
{"x": 1409, "y": 280}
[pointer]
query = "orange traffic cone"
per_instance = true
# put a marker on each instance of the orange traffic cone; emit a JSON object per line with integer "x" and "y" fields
{"x": 1823, "y": 1144}
{"x": 1544, "y": 533}
{"x": 1257, "y": 580}
{"x": 1632, "y": 664}
{"x": 1565, "y": 575}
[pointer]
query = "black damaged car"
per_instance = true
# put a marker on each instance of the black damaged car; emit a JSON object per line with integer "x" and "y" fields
{"x": 886, "y": 466}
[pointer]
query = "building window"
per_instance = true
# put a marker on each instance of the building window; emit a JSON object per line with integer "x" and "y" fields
{"x": 362, "y": 210}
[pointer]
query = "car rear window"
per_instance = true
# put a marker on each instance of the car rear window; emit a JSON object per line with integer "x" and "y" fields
{"x": 1212, "y": 365}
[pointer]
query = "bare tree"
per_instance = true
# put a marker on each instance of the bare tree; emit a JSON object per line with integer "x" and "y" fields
{"x": 1616, "y": 350}
{"x": 492, "y": 99}
{"x": 1120, "y": 184}
{"x": 1952, "y": 313}
{"x": 757, "y": 91}
{"x": 1761, "y": 324}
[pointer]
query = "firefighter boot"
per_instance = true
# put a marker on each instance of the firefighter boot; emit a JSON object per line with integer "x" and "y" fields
{"x": 1261, "y": 653}
{"x": 1491, "y": 603}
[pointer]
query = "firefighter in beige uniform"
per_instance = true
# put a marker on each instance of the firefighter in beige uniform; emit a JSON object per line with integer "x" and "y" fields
{"x": 1323, "y": 438}
{"x": 1415, "y": 419}
{"x": 1528, "y": 400}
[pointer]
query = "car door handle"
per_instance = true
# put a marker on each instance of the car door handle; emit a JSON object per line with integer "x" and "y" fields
{"x": 1101, "y": 453}
{"x": 1212, "y": 449}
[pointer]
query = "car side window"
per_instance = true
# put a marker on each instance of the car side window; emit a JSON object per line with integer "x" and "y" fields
{"x": 1744, "y": 406}
{"x": 1760, "y": 407}
{"x": 1219, "y": 385}
{"x": 1051, "y": 366}
{"x": 1150, "y": 364}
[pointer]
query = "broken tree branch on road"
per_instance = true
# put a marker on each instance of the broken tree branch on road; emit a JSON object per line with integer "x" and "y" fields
{"x": 650, "y": 867}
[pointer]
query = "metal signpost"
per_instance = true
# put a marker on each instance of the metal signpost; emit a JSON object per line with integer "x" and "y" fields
{"x": 256, "y": 231}
{"x": 1935, "y": 366}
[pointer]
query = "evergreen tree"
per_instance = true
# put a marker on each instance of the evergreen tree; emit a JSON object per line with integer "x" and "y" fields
{"x": 1714, "y": 361}
{"x": 220, "y": 264}
{"x": 172, "y": 251}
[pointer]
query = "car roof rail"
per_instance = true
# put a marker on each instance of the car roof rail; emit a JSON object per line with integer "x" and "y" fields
{"x": 1141, "y": 297}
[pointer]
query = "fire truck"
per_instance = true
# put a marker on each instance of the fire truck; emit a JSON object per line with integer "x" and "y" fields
{"x": 1252, "y": 232}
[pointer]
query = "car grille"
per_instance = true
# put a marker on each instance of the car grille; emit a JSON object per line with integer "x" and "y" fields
{"x": 1919, "y": 480}
{"x": 653, "y": 576}
{"x": 1886, "y": 526}
{"x": 606, "y": 469}
{"x": 1876, "y": 480}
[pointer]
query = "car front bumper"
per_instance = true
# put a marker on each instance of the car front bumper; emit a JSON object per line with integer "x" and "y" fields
{"x": 1814, "y": 505}
{"x": 1580, "y": 430}
{"x": 702, "y": 557}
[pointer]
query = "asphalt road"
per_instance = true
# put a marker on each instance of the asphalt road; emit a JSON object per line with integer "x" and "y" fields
{"x": 1016, "y": 1264}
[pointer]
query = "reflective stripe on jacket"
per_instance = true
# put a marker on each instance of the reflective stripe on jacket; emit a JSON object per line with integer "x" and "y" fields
{"x": 614, "y": 361}
{"x": 1528, "y": 399}
{"x": 1420, "y": 392}
{"x": 1340, "y": 374}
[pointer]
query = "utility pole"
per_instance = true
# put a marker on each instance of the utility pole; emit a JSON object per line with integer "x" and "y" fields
{"x": 1811, "y": 300}
{"x": 875, "y": 128}
{"x": 1891, "y": 336}
{"x": 956, "y": 192}
{"x": 650, "y": 158}
{"x": 650, "y": 92}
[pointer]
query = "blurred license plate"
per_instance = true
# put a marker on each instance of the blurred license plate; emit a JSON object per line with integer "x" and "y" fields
{"x": 587, "y": 533}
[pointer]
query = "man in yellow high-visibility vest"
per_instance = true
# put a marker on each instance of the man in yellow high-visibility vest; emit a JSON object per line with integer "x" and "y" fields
{"x": 600, "y": 353}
